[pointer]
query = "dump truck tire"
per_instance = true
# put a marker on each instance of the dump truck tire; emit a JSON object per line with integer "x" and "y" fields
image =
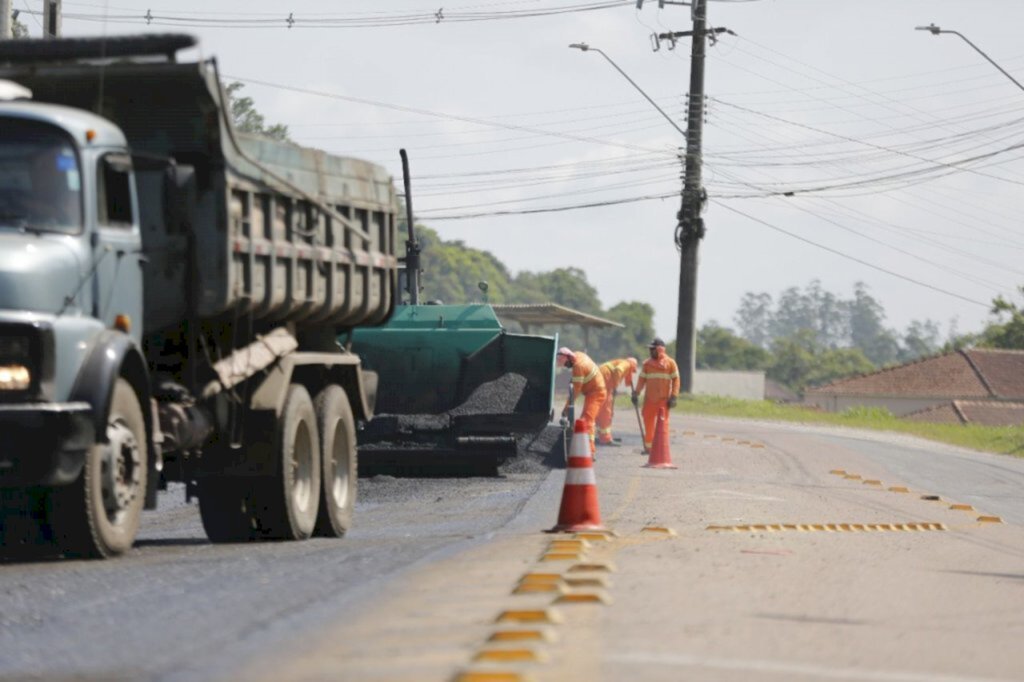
{"x": 339, "y": 473}
{"x": 286, "y": 502}
{"x": 224, "y": 509}
{"x": 98, "y": 515}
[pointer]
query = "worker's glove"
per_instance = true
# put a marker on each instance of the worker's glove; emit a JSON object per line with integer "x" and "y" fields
{"x": 563, "y": 422}
{"x": 635, "y": 399}
{"x": 565, "y": 413}
{"x": 671, "y": 402}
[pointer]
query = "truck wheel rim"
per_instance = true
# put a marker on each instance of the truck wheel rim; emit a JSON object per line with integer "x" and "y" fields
{"x": 121, "y": 470}
{"x": 302, "y": 463}
{"x": 339, "y": 466}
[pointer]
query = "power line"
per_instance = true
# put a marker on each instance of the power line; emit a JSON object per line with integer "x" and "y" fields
{"x": 853, "y": 258}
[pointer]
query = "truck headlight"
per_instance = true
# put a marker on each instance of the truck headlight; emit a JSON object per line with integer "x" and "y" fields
{"x": 15, "y": 378}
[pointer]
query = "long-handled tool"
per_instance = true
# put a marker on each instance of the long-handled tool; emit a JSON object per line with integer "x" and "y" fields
{"x": 640, "y": 423}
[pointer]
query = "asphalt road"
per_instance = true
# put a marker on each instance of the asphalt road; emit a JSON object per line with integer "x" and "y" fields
{"x": 413, "y": 592}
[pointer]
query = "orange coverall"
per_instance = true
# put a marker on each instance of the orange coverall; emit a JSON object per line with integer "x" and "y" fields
{"x": 660, "y": 376}
{"x": 615, "y": 372}
{"x": 588, "y": 382}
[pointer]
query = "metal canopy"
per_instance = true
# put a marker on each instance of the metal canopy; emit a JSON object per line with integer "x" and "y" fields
{"x": 533, "y": 314}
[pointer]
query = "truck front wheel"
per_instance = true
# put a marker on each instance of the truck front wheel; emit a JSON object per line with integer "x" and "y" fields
{"x": 338, "y": 445}
{"x": 98, "y": 515}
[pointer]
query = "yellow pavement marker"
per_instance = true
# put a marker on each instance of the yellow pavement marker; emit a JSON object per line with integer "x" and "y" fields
{"x": 990, "y": 519}
{"x": 852, "y": 477}
{"x": 538, "y": 588}
{"x": 659, "y": 530}
{"x": 541, "y": 578}
{"x": 529, "y": 616}
{"x": 961, "y": 507}
{"x": 575, "y": 543}
{"x": 899, "y": 489}
{"x": 931, "y": 498}
{"x": 595, "y": 536}
{"x": 583, "y": 598}
{"x": 520, "y": 636}
{"x": 561, "y": 556}
{"x": 509, "y": 655}
{"x": 873, "y": 482}
{"x": 838, "y": 472}
{"x": 757, "y": 446}
{"x": 490, "y": 676}
{"x": 689, "y": 433}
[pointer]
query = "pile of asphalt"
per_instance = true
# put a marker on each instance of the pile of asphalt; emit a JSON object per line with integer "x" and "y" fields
{"x": 499, "y": 396}
{"x": 538, "y": 453}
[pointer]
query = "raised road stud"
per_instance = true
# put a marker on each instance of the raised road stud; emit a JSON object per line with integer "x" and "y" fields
{"x": 580, "y": 510}
{"x": 660, "y": 457}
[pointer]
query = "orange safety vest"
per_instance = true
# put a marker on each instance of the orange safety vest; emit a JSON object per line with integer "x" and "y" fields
{"x": 616, "y": 372}
{"x": 660, "y": 376}
{"x": 586, "y": 378}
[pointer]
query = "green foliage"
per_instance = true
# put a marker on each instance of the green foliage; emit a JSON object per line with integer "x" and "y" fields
{"x": 1008, "y": 334}
{"x": 18, "y": 29}
{"x": 453, "y": 270}
{"x": 1004, "y": 440}
{"x": 719, "y": 348}
{"x": 247, "y": 119}
{"x": 801, "y": 361}
{"x": 834, "y": 322}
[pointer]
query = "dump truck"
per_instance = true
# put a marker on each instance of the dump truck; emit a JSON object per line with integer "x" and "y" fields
{"x": 171, "y": 294}
{"x": 459, "y": 394}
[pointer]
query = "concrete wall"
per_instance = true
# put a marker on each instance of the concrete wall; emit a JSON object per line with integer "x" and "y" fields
{"x": 898, "y": 406}
{"x": 743, "y": 385}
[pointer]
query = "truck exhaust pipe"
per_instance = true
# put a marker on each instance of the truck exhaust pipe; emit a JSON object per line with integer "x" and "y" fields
{"x": 412, "y": 246}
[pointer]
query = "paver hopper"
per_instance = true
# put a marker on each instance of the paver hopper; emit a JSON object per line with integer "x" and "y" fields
{"x": 456, "y": 391}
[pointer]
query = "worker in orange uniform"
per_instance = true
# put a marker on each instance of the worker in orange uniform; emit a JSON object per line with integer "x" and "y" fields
{"x": 615, "y": 373}
{"x": 586, "y": 381}
{"x": 659, "y": 382}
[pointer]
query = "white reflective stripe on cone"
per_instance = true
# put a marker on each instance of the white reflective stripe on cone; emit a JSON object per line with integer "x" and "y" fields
{"x": 583, "y": 476}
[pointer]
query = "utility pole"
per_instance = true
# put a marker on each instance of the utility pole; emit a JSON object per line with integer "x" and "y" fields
{"x": 51, "y": 18}
{"x": 6, "y": 20}
{"x": 690, "y": 228}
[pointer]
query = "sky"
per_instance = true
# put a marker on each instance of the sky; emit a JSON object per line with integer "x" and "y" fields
{"x": 899, "y": 148}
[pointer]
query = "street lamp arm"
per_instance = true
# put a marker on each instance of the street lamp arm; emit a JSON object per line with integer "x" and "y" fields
{"x": 935, "y": 30}
{"x": 586, "y": 48}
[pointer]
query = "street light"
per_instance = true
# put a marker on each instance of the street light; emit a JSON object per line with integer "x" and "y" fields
{"x": 935, "y": 30}
{"x": 583, "y": 47}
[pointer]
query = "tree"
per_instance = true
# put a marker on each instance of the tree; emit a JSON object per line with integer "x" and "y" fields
{"x": 632, "y": 340}
{"x": 921, "y": 338}
{"x": 247, "y": 119}
{"x": 801, "y": 361}
{"x": 754, "y": 318}
{"x": 1008, "y": 334}
{"x": 18, "y": 29}
{"x": 719, "y": 348}
{"x": 867, "y": 328}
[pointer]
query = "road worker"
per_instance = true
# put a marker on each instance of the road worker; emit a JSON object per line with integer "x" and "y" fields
{"x": 615, "y": 373}
{"x": 586, "y": 381}
{"x": 659, "y": 382}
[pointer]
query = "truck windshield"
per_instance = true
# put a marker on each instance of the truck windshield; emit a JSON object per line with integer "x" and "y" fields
{"x": 40, "y": 182}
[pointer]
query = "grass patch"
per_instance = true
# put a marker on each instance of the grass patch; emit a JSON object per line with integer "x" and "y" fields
{"x": 1007, "y": 440}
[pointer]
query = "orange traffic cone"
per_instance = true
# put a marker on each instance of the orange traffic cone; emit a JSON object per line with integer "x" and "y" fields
{"x": 579, "y": 510}
{"x": 660, "y": 458}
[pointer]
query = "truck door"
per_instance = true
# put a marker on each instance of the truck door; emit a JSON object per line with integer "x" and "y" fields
{"x": 118, "y": 282}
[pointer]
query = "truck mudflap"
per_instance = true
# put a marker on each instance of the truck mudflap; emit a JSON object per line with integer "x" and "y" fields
{"x": 44, "y": 443}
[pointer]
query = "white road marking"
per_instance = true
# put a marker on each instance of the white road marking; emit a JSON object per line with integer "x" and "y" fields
{"x": 791, "y": 668}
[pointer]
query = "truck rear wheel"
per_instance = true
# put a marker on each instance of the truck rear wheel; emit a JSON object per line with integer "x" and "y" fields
{"x": 98, "y": 515}
{"x": 286, "y": 503}
{"x": 338, "y": 446}
{"x": 224, "y": 509}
